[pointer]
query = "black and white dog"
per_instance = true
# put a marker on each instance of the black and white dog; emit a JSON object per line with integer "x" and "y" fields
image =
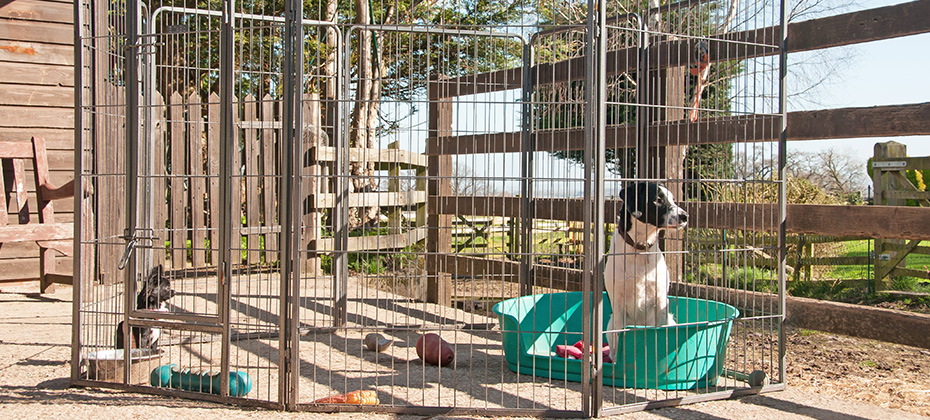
{"x": 635, "y": 274}
{"x": 156, "y": 290}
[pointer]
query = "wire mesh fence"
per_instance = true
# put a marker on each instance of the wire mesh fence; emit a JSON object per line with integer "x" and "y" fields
{"x": 497, "y": 207}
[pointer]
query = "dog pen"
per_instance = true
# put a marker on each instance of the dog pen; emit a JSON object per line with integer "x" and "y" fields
{"x": 315, "y": 176}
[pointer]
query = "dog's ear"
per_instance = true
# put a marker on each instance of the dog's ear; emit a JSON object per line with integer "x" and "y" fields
{"x": 628, "y": 209}
{"x": 624, "y": 223}
{"x": 155, "y": 275}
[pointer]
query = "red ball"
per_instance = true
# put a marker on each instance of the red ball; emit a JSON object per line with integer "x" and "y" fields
{"x": 434, "y": 350}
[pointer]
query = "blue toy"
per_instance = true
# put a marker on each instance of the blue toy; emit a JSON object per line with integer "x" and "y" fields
{"x": 173, "y": 376}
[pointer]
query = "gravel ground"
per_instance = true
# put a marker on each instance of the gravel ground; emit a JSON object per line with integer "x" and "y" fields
{"x": 829, "y": 377}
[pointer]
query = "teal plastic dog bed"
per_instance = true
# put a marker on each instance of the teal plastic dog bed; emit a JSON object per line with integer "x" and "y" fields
{"x": 683, "y": 356}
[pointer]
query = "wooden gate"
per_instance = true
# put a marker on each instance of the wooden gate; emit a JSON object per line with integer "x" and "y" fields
{"x": 893, "y": 188}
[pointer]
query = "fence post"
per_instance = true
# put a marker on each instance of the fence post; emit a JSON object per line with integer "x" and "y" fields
{"x": 179, "y": 200}
{"x": 270, "y": 169}
{"x": 394, "y": 213}
{"x": 197, "y": 182}
{"x": 439, "y": 171}
{"x": 312, "y": 217}
{"x": 673, "y": 158}
{"x": 252, "y": 176}
{"x": 883, "y": 181}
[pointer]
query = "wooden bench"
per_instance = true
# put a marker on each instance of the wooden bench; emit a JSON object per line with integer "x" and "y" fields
{"x": 52, "y": 238}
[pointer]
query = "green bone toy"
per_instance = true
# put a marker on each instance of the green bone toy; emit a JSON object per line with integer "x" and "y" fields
{"x": 173, "y": 376}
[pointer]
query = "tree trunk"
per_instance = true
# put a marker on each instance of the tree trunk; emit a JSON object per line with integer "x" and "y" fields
{"x": 364, "y": 116}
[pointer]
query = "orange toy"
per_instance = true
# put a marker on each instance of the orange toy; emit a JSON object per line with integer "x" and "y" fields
{"x": 354, "y": 397}
{"x": 701, "y": 69}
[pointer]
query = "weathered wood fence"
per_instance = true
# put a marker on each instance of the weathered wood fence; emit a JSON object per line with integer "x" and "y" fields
{"x": 893, "y": 188}
{"x": 185, "y": 184}
{"x": 828, "y": 220}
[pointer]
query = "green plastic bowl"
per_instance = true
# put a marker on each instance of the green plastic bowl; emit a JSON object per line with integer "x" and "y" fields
{"x": 683, "y": 356}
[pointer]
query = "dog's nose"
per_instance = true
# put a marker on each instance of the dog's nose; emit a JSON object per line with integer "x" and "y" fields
{"x": 682, "y": 217}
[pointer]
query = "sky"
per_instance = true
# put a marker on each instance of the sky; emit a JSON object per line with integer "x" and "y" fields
{"x": 888, "y": 72}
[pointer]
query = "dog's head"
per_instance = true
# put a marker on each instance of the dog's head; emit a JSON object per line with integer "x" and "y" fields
{"x": 156, "y": 290}
{"x": 652, "y": 204}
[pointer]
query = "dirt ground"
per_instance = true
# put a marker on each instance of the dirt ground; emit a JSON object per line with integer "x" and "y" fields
{"x": 829, "y": 376}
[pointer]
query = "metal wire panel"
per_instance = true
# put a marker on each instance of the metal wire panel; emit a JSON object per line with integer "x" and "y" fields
{"x": 311, "y": 174}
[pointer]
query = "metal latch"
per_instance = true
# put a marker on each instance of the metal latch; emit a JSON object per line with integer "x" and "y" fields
{"x": 890, "y": 164}
{"x": 131, "y": 244}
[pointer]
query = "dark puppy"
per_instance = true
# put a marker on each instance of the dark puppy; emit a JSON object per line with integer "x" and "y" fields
{"x": 156, "y": 290}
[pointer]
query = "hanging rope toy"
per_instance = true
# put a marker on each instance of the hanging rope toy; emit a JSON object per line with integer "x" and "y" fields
{"x": 700, "y": 68}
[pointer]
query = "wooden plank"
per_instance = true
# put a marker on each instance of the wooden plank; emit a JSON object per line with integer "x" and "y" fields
{"x": 110, "y": 191}
{"x": 27, "y": 270}
{"x": 38, "y": 11}
{"x": 36, "y": 232}
{"x": 269, "y": 172}
{"x": 813, "y": 219}
{"x": 178, "y": 203}
{"x": 845, "y": 29}
{"x": 252, "y": 181}
{"x": 567, "y": 209}
{"x": 198, "y": 184}
{"x": 19, "y": 188}
{"x": 28, "y": 117}
{"x": 37, "y": 74}
{"x": 373, "y": 243}
{"x": 159, "y": 181}
{"x": 383, "y": 158}
{"x": 910, "y": 272}
{"x": 17, "y": 30}
{"x": 910, "y": 163}
{"x": 310, "y": 170}
{"x": 891, "y": 222}
{"x": 25, "y": 95}
{"x": 56, "y": 138}
{"x": 46, "y": 210}
{"x": 504, "y": 270}
{"x": 901, "y": 327}
{"x": 858, "y": 27}
{"x": 439, "y": 173}
{"x": 15, "y": 150}
{"x": 4, "y": 215}
{"x": 372, "y": 199}
{"x": 830, "y": 261}
{"x": 879, "y": 121}
{"x": 38, "y": 53}
{"x": 213, "y": 170}
{"x": 923, "y": 250}
{"x": 907, "y": 195}
{"x": 888, "y": 325}
{"x": 236, "y": 189}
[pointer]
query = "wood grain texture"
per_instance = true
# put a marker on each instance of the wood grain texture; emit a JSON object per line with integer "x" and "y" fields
{"x": 439, "y": 173}
{"x": 198, "y": 182}
{"x": 178, "y": 203}
{"x": 44, "y": 118}
{"x": 38, "y": 11}
{"x": 252, "y": 173}
{"x": 28, "y": 96}
{"x": 37, "y": 53}
{"x": 269, "y": 185}
{"x": 812, "y": 219}
{"x": 38, "y": 75}
{"x": 845, "y": 29}
{"x": 878, "y": 121}
{"x": 36, "y": 32}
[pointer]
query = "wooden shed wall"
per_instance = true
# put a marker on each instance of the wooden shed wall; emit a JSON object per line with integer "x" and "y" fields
{"x": 37, "y": 98}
